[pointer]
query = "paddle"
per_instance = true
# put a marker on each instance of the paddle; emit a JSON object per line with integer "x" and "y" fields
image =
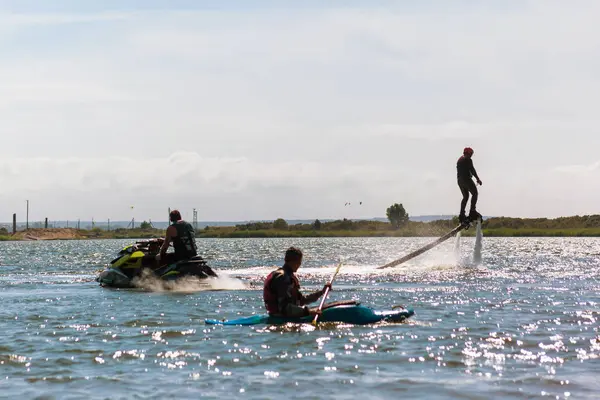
{"x": 314, "y": 322}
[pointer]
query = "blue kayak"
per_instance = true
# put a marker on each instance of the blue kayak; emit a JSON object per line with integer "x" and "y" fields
{"x": 350, "y": 314}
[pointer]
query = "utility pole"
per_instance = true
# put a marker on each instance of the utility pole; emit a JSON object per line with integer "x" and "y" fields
{"x": 108, "y": 225}
{"x": 27, "y": 218}
{"x": 195, "y": 220}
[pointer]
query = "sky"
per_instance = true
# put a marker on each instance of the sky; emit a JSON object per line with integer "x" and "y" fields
{"x": 266, "y": 109}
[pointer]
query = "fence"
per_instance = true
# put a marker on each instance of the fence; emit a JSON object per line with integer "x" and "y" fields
{"x": 107, "y": 224}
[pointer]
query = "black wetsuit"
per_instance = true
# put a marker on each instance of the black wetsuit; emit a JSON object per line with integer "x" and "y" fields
{"x": 465, "y": 171}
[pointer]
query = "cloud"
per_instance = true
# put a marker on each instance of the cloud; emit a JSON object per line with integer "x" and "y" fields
{"x": 20, "y": 20}
{"x": 76, "y": 183}
{"x": 427, "y": 132}
{"x": 178, "y": 173}
{"x": 242, "y": 188}
{"x": 581, "y": 170}
{"x": 300, "y": 106}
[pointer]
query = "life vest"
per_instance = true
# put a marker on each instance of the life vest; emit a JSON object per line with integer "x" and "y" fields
{"x": 185, "y": 241}
{"x": 270, "y": 295}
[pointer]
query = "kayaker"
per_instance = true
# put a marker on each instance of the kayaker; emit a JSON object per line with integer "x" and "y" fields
{"x": 182, "y": 234}
{"x": 281, "y": 291}
{"x": 465, "y": 171}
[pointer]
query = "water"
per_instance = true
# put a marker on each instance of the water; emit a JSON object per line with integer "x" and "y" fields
{"x": 457, "y": 246}
{"x": 478, "y": 243}
{"x": 522, "y": 324}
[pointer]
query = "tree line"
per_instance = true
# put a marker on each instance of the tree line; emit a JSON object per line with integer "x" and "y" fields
{"x": 398, "y": 219}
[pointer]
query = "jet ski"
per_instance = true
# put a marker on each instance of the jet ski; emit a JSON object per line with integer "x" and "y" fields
{"x": 140, "y": 257}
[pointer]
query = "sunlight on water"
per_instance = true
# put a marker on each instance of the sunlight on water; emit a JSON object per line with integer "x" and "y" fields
{"x": 521, "y": 324}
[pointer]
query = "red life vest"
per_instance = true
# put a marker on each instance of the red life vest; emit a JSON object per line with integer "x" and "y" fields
{"x": 270, "y": 296}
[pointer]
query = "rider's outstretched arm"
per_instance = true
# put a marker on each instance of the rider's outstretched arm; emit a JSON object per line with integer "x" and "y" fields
{"x": 168, "y": 237}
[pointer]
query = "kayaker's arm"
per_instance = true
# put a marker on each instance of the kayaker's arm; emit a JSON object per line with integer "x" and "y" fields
{"x": 311, "y": 298}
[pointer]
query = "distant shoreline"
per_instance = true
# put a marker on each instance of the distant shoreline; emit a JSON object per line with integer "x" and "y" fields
{"x": 232, "y": 233}
{"x": 575, "y": 226}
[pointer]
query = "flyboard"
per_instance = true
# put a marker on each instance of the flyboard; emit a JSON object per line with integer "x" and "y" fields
{"x": 462, "y": 226}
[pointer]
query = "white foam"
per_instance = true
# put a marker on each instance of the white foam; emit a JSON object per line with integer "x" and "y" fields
{"x": 478, "y": 240}
{"x": 446, "y": 257}
{"x": 457, "y": 247}
{"x": 188, "y": 284}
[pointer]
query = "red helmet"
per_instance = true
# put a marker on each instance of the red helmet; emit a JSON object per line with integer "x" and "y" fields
{"x": 468, "y": 150}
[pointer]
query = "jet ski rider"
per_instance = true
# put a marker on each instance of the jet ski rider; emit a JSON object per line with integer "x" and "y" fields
{"x": 182, "y": 234}
{"x": 281, "y": 292}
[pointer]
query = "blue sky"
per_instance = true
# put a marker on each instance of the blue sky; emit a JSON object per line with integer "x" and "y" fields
{"x": 248, "y": 110}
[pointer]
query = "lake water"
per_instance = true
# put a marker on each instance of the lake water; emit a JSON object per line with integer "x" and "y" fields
{"x": 522, "y": 324}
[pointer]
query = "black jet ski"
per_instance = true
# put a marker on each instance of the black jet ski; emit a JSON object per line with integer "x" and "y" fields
{"x": 140, "y": 257}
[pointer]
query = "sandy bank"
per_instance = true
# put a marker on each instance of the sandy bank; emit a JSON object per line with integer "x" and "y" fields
{"x": 47, "y": 234}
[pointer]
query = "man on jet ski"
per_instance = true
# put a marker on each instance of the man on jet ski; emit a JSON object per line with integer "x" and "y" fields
{"x": 281, "y": 292}
{"x": 182, "y": 234}
{"x": 465, "y": 171}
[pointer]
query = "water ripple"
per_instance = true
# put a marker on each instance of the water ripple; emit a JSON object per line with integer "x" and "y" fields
{"x": 523, "y": 324}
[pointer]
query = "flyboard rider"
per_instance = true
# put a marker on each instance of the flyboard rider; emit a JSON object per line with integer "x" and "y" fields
{"x": 465, "y": 173}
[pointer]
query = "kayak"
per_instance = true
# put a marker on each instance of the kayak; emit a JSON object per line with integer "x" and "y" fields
{"x": 348, "y": 313}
